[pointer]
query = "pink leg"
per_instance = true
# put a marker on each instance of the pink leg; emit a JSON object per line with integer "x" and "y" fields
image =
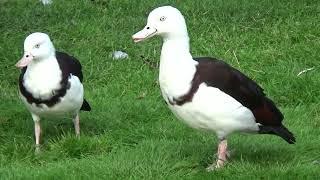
{"x": 222, "y": 153}
{"x": 37, "y": 132}
{"x": 76, "y": 123}
{"x": 222, "y": 156}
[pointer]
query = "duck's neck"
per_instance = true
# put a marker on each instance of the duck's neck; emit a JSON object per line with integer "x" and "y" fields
{"x": 175, "y": 53}
{"x": 179, "y": 45}
{"x": 181, "y": 42}
{"x": 177, "y": 67}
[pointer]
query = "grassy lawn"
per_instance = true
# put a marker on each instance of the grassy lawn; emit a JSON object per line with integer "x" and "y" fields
{"x": 130, "y": 132}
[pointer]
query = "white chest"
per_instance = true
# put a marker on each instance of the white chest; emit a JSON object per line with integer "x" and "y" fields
{"x": 43, "y": 78}
{"x": 173, "y": 83}
{"x": 68, "y": 105}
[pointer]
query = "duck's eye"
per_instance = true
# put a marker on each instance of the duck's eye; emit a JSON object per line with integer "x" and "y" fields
{"x": 37, "y": 46}
{"x": 163, "y": 18}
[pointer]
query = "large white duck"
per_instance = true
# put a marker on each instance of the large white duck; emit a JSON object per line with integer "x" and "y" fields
{"x": 50, "y": 83}
{"x": 207, "y": 93}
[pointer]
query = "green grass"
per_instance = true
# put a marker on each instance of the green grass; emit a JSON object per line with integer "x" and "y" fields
{"x": 130, "y": 132}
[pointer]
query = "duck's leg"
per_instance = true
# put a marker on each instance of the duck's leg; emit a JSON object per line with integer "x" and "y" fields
{"x": 76, "y": 122}
{"x": 37, "y": 131}
{"x": 222, "y": 155}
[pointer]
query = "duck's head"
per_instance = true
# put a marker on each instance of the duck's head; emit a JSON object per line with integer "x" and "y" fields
{"x": 37, "y": 46}
{"x": 165, "y": 21}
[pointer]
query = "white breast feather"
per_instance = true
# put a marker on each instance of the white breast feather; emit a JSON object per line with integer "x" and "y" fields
{"x": 42, "y": 79}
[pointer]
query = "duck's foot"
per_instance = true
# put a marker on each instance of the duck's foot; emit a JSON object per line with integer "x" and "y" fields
{"x": 222, "y": 155}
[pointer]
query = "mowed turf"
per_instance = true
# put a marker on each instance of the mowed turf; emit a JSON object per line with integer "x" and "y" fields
{"x": 130, "y": 133}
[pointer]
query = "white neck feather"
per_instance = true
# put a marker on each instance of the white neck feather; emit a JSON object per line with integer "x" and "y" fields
{"x": 177, "y": 66}
{"x": 176, "y": 52}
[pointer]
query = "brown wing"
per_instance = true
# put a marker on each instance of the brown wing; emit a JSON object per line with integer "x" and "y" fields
{"x": 219, "y": 74}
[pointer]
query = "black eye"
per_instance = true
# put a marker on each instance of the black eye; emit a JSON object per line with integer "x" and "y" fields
{"x": 37, "y": 46}
{"x": 148, "y": 27}
{"x": 162, "y": 18}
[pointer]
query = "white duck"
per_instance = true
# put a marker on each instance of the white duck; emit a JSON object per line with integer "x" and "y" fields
{"x": 207, "y": 93}
{"x": 50, "y": 83}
